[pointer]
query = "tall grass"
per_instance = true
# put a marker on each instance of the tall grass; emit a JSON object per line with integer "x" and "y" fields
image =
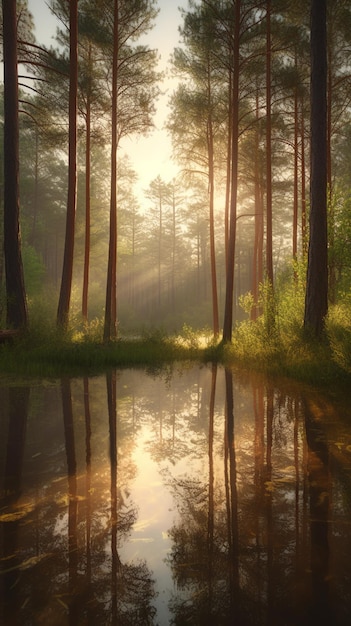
{"x": 277, "y": 346}
{"x": 338, "y": 329}
{"x": 47, "y": 351}
{"x": 284, "y": 348}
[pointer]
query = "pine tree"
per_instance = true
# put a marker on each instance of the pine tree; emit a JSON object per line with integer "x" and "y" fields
{"x": 16, "y": 311}
{"x": 316, "y": 302}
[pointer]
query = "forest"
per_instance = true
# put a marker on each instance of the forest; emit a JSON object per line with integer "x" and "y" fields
{"x": 250, "y": 239}
{"x": 175, "y": 358}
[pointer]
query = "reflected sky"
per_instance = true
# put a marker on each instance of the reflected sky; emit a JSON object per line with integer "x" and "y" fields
{"x": 189, "y": 495}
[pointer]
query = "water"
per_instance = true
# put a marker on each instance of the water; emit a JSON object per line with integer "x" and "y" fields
{"x": 186, "y": 496}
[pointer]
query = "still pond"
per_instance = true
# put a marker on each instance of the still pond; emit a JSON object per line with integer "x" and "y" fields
{"x": 189, "y": 495}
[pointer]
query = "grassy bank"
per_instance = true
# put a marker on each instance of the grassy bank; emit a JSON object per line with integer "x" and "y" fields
{"x": 67, "y": 356}
{"x": 48, "y": 353}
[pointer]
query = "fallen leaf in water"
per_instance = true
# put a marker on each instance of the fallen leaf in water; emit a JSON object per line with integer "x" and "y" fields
{"x": 34, "y": 560}
{"x": 63, "y": 603}
{"x": 269, "y": 485}
{"x": 12, "y": 517}
{"x": 31, "y": 562}
{"x": 290, "y": 469}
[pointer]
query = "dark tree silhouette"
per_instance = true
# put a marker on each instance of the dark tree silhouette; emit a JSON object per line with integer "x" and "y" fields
{"x": 67, "y": 270}
{"x": 229, "y": 294}
{"x": 269, "y": 235}
{"x": 16, "y": 310}
{"x": 316, "y": 302}
{"x": 110, "y": 324}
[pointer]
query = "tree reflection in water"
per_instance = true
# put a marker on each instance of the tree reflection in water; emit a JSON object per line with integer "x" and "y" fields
{"x": 131, "y": 583}
{"x": 74, "y": 599}
{"x": 18, "y": 402}
{"x": 196, "y": 496}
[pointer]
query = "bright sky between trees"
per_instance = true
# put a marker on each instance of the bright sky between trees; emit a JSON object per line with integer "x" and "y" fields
{"x": 150, "y": 156}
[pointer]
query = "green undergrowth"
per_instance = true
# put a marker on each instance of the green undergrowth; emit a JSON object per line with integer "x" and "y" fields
{"x": 69, "y": 356}
{"x": 287, "y": 350}
{"x": 280, "y": 349}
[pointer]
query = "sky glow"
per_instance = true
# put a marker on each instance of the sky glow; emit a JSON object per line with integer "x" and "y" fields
{"x": 150, "y": 156}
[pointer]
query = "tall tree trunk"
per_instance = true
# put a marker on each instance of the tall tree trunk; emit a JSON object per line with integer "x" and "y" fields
{"x": 257, "y": 261}
{"x": 296, "y": 159}
{"x": 228, "y": 307}
{"x": 173, "y": 299}
{"x": 210, "y": 149}
{"x": 67, "y": 269}
{"x": 316, "y": 301}
{"x": 2, "y": 258}
{"x": 87, "y": 202}
{"x": 330, "y": 205}
{"x": 159, "y": 250}
{"x": 329, "y": 101}
{"x": 228, "y": 172}
{"x": 36, "y": 189}
{"x": 269, "y": 233}
{"x": 16, "y": 305}
{"x": 110, "y": 325}
{"x": 303, "y": 184}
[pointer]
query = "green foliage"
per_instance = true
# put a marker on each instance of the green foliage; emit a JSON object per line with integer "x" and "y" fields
{"x": 247, "y": 302}
{"x": 42, "y": 321}
{"x": 284, "y": 348}
{"x": 190, "y": 336}
{"x": 251, "y": 343}
{"x": 290, "y": 302}
{"x": 268, "y": 303}
{"x": 47, "y": 352}
{"x": 153, "y": 335}
{"x": 34, "y": 271}
{"x": 91, "y": 331}
{"x": 338, "y": 328}
{"x": 196, "y": 339}
{"x": 281, "y": 320}
{"x": 339, "y": 252}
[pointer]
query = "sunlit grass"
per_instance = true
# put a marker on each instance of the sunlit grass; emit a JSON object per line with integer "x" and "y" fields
{"x": 338, "y": 327}
{"x": 281, "y": 350}
{"x": 53, "y": 354}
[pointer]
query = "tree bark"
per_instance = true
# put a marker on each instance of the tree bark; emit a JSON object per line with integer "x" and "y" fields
{"x": 87, "y": 204}
{"x": 316, "y": 302}
{"x": 269, "y": 233}
{"x": 67, "y": 269}
{"x": 257, "y": 260}
{"x": 296, "y": 163}
{"x": 229, "y": 294}
{"x": 303, "y": 184}
{"x": 110, "y": 326}
{"x": 210, "y": 149}
{"x": 16, "y": 305}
